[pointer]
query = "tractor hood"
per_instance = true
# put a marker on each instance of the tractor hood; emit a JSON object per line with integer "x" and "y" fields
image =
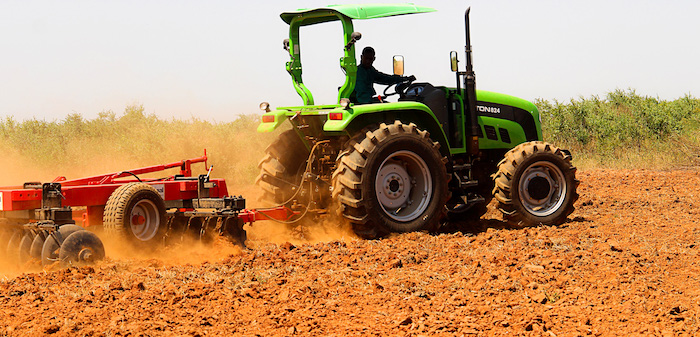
{"x": 365, "y": 11}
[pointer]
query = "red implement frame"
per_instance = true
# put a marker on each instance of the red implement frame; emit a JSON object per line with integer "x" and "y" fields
{"x": 93, "y": 192}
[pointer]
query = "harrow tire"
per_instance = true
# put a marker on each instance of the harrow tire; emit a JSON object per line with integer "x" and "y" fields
{"x": 135, "y": 212}
{"x": 281, "y": 167}
{"x": 53, "y": 242}
{"x": 391, "y": 178}
{"x": 535, "y": 185}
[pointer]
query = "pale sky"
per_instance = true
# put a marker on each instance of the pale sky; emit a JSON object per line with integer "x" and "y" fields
{"x": 217, "y": 59}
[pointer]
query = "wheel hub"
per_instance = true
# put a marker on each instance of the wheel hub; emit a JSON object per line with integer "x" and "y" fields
{"x": 145, "y": 220}
{"x": 539, "y": 187}
{"x": 85, "y": 255}
{"x": 395, "y": 185}
{"x": 542, "y": 188}
{"x": 403, "y": 186}
{"x": 138, "y": 220}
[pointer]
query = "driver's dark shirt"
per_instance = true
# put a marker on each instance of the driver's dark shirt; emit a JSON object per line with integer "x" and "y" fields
{"x": 366, "y": 77}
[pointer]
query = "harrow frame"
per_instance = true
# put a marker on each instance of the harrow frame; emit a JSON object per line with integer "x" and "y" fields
{"x": 82, "y": 201}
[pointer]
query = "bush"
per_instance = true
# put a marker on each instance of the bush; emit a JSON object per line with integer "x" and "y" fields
{"x": 625, "y": 129}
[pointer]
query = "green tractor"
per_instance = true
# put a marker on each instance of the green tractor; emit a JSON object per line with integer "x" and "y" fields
{"x": 436, "y": 153}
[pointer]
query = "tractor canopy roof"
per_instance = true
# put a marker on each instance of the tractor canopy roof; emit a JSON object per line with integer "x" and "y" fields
{"x": 310, "y": 16}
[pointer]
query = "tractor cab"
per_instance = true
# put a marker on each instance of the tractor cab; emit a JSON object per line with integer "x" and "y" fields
{"x": 345, "y": 14}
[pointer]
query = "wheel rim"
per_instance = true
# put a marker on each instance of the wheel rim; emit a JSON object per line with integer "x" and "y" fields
{"x": 144, "y": 220}
{"x": 542, "y": 188}
{"x": 403, "y": 186}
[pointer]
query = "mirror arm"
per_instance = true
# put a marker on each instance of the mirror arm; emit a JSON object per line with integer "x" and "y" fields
{"x": 354, "y": 37}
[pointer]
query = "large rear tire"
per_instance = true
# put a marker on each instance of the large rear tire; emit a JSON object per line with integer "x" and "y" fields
{"x": 281, "y": 167}
{"x": 536, "y": 184}
{"x": 391, "y": 178}
{"x": 136, "y": 212}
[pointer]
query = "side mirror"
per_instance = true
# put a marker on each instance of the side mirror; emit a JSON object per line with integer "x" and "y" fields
{"x": 354, "y": 37}
{"x": 398, "y": 65}
{"x": 453, "y": 61}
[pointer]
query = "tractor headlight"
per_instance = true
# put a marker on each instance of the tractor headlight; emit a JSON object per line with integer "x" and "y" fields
{"x": 264, "y": 106}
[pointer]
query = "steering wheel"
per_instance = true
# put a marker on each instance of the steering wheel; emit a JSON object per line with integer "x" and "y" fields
{"x": 399, "y": 88}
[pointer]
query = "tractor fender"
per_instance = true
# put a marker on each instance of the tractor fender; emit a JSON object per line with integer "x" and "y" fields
{"x": 356, "y": 117}
{"x": 279, "y": 115}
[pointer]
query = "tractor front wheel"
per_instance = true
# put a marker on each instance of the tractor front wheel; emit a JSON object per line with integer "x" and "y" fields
{"x": 391, "y": 178}
{"x": 535, "y": 184}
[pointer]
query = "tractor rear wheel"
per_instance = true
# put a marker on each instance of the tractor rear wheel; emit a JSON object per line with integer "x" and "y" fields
{"x": 281, "y": 168}
{"x": 391, "y": 178}
{"x": 136, "y": 212}
{"x": 536, "y": 184}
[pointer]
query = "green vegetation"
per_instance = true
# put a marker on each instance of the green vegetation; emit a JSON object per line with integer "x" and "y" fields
{"x": 625, "y": 130}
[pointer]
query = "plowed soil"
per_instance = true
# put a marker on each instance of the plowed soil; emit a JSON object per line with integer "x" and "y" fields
{"x": 626, "y": 263}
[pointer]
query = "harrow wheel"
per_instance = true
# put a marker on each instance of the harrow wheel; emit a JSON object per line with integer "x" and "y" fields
{"x": 81, "y": 247}
{"x": 53, "y": 242}
{"x": 136, "y": 212}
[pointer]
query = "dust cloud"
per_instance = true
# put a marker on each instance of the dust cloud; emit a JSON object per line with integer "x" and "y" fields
{"x": 17, "y": 169}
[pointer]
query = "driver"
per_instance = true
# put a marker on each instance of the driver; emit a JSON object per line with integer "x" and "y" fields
{"x": 367, "y": 75}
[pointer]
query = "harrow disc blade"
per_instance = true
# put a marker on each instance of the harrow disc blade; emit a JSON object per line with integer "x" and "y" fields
{"x": 5, "y": 235}
{"x": 25, "y": 247}
{"x": 50, "y": 250}
{"x": 233, "y": 230}
{"x": 38, "y": 244}
{"x": 12, "y": 249}
{"x": 81, "y": 247}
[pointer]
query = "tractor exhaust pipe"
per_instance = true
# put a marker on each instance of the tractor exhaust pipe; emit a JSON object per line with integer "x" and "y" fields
{"x": 470, "y": 91}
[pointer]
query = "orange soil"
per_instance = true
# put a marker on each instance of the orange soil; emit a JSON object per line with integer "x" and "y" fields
{"x": 626, "y": 263}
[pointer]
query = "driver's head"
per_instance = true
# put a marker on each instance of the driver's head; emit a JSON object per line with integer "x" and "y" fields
{"x": 367, "y": 57}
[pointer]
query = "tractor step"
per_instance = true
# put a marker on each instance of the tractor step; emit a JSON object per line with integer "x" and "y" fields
{"x": 469, "y": 184}
{"x": 460, "y": 167}
{"x": 476, "y": 200}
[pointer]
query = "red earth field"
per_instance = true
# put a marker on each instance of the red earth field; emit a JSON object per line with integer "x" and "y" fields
{"x": 626, "y": 263}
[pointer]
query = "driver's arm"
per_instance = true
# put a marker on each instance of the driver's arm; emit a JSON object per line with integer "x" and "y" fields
{"x": 386, "y": 79}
